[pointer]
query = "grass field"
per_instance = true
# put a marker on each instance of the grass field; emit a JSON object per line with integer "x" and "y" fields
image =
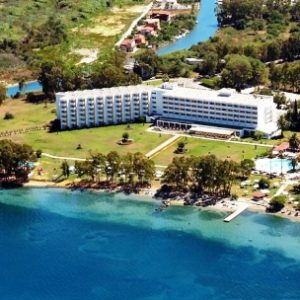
{"x": 222, "y": 150}
{"x": 102, "y": 139}
{"x": 25, "y": 114}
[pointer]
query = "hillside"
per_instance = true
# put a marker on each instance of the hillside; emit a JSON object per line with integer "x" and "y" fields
{"x": 75, "y": 30}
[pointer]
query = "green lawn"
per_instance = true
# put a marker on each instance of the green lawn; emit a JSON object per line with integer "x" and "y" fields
{"x": 198, "y": 147}
{"x": 25, "y": 114}
{"x": 102, "y": 139}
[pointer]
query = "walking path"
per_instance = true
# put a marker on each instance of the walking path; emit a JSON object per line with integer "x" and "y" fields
{"x": 283, "y": 186}
{"x": 81, "y": 159}
{"x": 134, "y": 24}
{"x": 162, "y": 146}
{"x": 62, "y": 157}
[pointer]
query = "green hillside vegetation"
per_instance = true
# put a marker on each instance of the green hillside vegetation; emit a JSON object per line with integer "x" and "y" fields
{"x": 251, "y": 34}
{"x": 36, "y": 30}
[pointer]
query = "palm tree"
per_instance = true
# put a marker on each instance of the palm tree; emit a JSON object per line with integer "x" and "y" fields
{"x": 294, "y": 162}
{"x": 65, "y": 169}
{"x": 294, "y": 142}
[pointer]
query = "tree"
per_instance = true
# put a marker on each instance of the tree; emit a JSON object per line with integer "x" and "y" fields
{"x": 143, "y": 167}
{"x": 2, "y": 93}
{"x": 237, "y": 72}
{"x": 247, "y": 165}
{"x": 258, "y": 135}
{"x": 65, "y": 169}
{"x": 209, "y": 64}
{"x": 277, "y": 203}
{"x": 8, "y": 116}
{"x": 282, "y": 123}
{"x": 294, "y": 162}
{"x": 113, "y": 161}
{"x": 180, "y": 147}
{"x": 21, "y": 84}
{"x": 125, "y": 137}
{"x": 294, "y": 142}
{"x": 279, "y": 99}
{"x": 264, "y": 183}
{"x": 147, "y": 64}
{"x": 38, "y": 153}
{"x": 14, "y": 160}
{"x": 80, "y": 169}
{"x": 98, "y": 161}
{"x": 177, "y": 173}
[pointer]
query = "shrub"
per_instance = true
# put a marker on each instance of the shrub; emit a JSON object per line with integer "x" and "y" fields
{"x": 38, "y": 153}
{"x": 125, "y": 136}
{"x": 277, "y": 203}
{"x": 264, "y": 183}
{"x": 8, "y": 116}
{"x": 258, "y": 135}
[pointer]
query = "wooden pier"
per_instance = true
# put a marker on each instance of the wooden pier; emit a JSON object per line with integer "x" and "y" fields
{"x": 242, "y": 207}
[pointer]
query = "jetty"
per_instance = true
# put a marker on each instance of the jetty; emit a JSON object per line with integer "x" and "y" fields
{"x": 242, "y": 207}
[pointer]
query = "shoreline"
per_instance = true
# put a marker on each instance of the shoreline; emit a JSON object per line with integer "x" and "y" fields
{"x": 147, "y": 196}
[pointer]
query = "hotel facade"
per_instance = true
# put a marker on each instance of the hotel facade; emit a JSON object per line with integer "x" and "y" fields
{"x": 169, "y": 104}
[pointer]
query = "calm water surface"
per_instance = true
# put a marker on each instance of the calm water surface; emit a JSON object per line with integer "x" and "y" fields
{"x": 57, "y": 244}
{"x": 29, "y": 87}
{"x": 205, "y": 28}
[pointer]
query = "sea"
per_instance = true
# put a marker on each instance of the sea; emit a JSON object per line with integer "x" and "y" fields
{"x": 61, "y": 244}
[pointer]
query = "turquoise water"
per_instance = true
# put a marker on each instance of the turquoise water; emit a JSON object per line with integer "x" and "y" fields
{"x": 205, "y": 28}
{"x": 29, "y": 87}
{"x": 57, "y": 244}
{"x": 273, "y": 165}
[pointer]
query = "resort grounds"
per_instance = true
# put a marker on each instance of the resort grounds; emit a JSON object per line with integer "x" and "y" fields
{"x": 64, "y": 144}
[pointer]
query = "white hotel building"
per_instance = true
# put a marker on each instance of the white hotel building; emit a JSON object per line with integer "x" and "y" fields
{"x": 169, "y": 105}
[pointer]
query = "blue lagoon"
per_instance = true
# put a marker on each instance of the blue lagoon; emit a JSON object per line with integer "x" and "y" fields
{"x": 57, "y": 244}
{"x": 207, "y": 25}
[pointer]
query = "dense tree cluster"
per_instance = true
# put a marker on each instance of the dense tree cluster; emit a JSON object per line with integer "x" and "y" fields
{"x": 291, "y": 120}
{"x": 241, "y": 70}
{"x": 14, "y": 160}
{"x": 286, "y": 76}
{"x": 205, "y": 174}
{"x": 57, "y": 76}
{"x": 239, "y": 13}
{"x": 132, "y": 169}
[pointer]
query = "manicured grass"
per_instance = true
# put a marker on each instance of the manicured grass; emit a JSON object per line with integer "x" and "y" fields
{"x": 199, "y": 147}
{"x": 25, "y": 114}
{"x": 102, "y": 139}
{"x": 286, "y": 135}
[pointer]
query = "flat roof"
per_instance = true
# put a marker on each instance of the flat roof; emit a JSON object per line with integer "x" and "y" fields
{"x": 106, "y": 91}
{"x": 212, "y": 129}
{"x": 224, "y": 95}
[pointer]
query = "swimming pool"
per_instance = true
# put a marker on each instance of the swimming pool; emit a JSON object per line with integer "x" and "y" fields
{"x": 273, "y": 165}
